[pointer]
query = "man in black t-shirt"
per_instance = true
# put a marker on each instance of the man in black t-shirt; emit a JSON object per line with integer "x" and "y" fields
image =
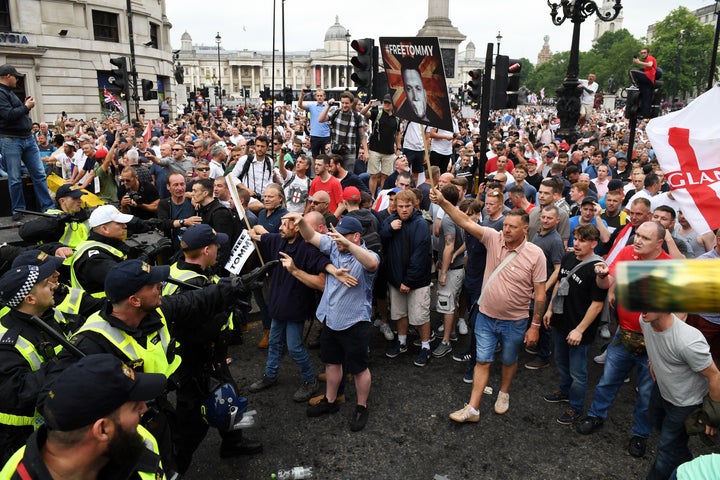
{"x": 384, "y": 143}
{"x": 574, "y": 321}
{"x": 138, "y": 198}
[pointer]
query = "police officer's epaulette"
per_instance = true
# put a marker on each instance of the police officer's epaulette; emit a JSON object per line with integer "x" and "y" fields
{"x": 10, "y": 337}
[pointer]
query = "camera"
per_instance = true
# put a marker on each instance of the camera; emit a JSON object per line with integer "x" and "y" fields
{"x": 284, "y": 150}
{"x": 134, "y": 196}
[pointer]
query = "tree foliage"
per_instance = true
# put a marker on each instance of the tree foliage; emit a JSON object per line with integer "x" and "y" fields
{"x": 611, "y": 56}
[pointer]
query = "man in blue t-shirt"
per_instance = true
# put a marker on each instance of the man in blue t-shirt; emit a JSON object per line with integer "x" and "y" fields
{"x": 589, "y": 213}
{"x": 319, "y": 131}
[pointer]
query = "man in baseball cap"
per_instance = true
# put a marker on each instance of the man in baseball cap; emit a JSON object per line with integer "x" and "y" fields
{"x": 106, "y": 214}
{"x": 202, "y": 235}
{"x": 92, "y": 410}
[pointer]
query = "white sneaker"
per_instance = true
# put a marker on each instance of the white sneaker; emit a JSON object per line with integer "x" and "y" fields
{"x": 465, "y": 414}
{"x": 600, "y": 359}
{"x": 377, "y": 322}
{"x": 387, "y": 331}
{"x": 462, "y": 327}
{"x": 441, "y": 328}
{"x": 502, "y": 404}
{"x": 605, "y": 332}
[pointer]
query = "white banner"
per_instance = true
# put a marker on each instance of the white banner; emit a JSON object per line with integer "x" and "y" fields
{"x": 240, "y": 252}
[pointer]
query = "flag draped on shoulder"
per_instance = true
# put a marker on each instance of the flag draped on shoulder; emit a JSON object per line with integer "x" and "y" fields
{"x": 687, "y": 145}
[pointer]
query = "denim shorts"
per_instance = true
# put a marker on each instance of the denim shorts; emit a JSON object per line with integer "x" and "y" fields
{"x": 489, "y": 331}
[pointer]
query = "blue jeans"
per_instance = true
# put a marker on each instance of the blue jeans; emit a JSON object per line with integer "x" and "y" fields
{"x": 618, "y": 364}
{"x": 572, "y": 365}
{"x": 489, "y": 331}
{"x": 292, "y": 331}
{"x": 19, "y": 151}
{"x": 672, "y": 448}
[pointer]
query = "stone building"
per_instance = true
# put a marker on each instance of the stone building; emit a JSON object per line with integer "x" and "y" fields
{"x": 64, "y": 50}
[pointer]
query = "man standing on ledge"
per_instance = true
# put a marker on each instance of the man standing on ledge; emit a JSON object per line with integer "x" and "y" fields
{"x": 17, "y": 143}
{"x": 504, "y": 302}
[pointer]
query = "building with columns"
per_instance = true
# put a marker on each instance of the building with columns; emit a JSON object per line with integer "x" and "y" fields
{"x": 64, "y": 49}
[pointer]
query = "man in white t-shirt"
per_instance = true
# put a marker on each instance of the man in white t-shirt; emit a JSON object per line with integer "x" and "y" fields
{"x": 587, "y": 97}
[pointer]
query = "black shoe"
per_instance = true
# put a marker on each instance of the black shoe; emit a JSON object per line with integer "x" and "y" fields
{"x": 637, "y": 446}
{"x": 322, "y": 408}
{"x": 359, "y": 419}
{"x": 262, "y": 384}
{"x": 589, "y": 425}
{"x": 16, "y": 217}
{"x": 243, "y": 447}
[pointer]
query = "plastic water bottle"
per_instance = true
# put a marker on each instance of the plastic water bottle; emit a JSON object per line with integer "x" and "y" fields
{"x": 296, "y": 473}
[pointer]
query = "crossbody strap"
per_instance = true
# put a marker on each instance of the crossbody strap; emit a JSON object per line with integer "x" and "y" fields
{"x": 495, "y": 272}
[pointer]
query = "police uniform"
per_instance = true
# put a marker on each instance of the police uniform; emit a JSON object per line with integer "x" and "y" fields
{"x": 75, "y": 232}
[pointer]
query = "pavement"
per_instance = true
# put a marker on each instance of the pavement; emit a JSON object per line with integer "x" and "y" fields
{"x": 409, "y": 434}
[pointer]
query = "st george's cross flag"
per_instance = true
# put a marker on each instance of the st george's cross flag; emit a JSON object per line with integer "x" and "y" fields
{"x": 687, "y": 146}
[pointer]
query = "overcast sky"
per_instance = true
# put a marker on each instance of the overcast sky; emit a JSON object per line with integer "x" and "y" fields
{"x": 522, "y": 23}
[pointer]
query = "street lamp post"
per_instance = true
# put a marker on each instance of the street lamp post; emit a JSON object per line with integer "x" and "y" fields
{"x": 218, "y": 39}
{"x": 677, "y": 68}
{"x": 498, "y": 37}
{"x": 347, "y": 59}
{"x": 713, "y": 57}
{"x": 568, "y": 104}
{"x": 213, "y": 82}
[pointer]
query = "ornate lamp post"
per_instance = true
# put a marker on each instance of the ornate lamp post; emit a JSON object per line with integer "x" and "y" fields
{"x": 568, "y": 106}
{"x": 347, "y": 59}
{"x": 498, "y": 37}
{"x": 218, "y": 39}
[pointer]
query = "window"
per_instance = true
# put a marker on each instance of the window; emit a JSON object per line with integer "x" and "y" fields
{"x": 154, "y": 29}
{"x": 105, "y": 26}
{"x": 5, "y": 16}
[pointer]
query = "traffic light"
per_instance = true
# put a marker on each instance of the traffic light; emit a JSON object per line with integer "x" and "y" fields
{"x": 499, "y": 99}
{"x": 147, "y": 90}
{"x": 362, "y": 62}
{"x": 205, "y": 92}
{"x": 247, "y": 92}
{"x": 265, "y": 94}
{"x": 632, "y": 102}
{"x": 513, "y": 84}
{"x": 287, "y": 95}
{"x": 475, "y": 85}
{"x": 119, "y": 76}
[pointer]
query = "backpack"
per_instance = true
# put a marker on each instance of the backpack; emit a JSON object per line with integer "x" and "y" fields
{"x": 370, "y": 235}
{"x": 376, "y": 127}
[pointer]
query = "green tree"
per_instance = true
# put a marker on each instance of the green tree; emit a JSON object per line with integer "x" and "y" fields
{"x": 681, "y": 44}
{"x": 549, "y": 75}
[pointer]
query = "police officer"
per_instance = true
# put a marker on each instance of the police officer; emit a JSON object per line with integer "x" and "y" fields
{"x": 91, "y": 428}
{"x": 204, "y": 359}
{"x": 136, "y": 324}
{"x": 103, "y": 248}
{"x": 69, "y": 226}
{"x": 27, "y": 290}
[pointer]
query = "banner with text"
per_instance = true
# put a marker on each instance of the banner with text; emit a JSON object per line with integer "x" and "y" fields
{"x": 416, "y": 78}
{"x": 687, "y": 145}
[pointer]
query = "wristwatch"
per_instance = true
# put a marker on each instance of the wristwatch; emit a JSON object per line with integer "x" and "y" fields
{"x": 182, "y": 222}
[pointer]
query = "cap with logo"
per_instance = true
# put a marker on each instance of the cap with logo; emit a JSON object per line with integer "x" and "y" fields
{"x": 67, "y": 190}
{"x": 127, "y": 278}
{"x": 106, "y": 214}
{"x": 92, "y": 389}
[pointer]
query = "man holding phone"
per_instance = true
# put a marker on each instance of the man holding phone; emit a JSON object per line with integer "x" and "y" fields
{"x": 17, "y": 143}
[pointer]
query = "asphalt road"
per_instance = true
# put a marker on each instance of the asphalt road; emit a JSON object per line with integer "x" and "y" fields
{"x": 409, "y": 434}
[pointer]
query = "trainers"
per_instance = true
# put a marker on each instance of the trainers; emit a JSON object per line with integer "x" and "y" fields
{"x": 359, "y": 419}
{"x": 423, "y": 358}
{"x": 462, "y": 327}
{"x": 441, "y": 350}
{"x": 441, "y": 329}
{"x": 377, "y": 322}
{"x": 396, "y": 349}
{"x": 305, "y": 392}
{"x": 605, "y": 332}
{"x": 556, "y": 397}
{"x": 387, "y": 331}
{"x": 262, "y": 384}
{"x": 589, "y": 425}
{"x": 600, "y": 359}
{"x": 502, "y": 404}
{"x": 468, "y": 376}
{"x": 318, "y": 398}
{"x": 418, "y": 342}
{"x": 637, "y": 446}
{"x": 531, "y": 350}
{"x": 322, "y": 408}
{"x": 537, "y": 363}
{"x": 462, "y": 357}
{"x": 465, "y": 414}
{"x": 453, "y": 337}
{"x": 568, "y": 417}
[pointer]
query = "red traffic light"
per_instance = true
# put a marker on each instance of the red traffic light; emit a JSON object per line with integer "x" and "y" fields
{"x": 363, "y": 46}
{"x": 474, "y": 74}
{"x": 514, "y": 67}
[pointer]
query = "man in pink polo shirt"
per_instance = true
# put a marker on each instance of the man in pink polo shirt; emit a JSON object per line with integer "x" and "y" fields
{"x": 515, "y": 274}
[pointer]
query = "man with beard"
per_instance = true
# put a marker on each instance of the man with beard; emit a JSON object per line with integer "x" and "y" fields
{"x": 91, "y": 428}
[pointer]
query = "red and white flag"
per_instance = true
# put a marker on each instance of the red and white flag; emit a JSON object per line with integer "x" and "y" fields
{"x": 147, "y": 133}
{"x": 687, "y": 145}
{"x": 110, "y": 99}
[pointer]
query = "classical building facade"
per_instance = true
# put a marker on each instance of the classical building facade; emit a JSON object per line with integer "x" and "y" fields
{"x": 64, "y": 49}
